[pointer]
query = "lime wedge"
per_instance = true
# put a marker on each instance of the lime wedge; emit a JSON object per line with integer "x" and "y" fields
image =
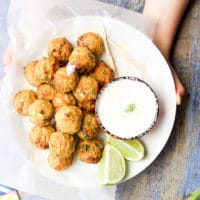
{"x": 194, "y": 196}
{"x": 132, "y": 150}
{"x": 111, "y": 168}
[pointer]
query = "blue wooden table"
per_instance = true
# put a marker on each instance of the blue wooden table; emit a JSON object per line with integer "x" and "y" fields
{"x": 176, "y": 171}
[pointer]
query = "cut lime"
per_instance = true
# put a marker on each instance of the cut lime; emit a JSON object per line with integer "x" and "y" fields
{"x": 111, "y": 168}
{"x": 194, "y": 196}
{"x": 132, "y": 150}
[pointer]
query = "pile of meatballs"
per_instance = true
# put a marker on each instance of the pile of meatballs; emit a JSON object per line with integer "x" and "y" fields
{"x": 62, "y": 106}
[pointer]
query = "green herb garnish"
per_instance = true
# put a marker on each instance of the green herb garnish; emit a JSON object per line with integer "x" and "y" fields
{"x": 130, "y": 108}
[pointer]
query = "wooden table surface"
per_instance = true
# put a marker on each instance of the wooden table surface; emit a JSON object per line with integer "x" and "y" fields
{"x": 176, "y": 171}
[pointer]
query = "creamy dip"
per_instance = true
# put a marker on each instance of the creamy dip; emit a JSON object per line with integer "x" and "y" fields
{"x": 127, "y": 107}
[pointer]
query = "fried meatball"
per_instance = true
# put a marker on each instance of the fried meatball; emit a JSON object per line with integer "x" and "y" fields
{"x": 45, "y": 69}
{"x": 64, "y": 82}
{"x": 59, "y": 163}
{"x": 82, "y": 59}
{"x": 87, "y": 105}
{"x": 90, "y": 151}
{"x": 93, "y": 42}
{"x": 68, "y": 119}
{"x": 29, "y": 73}
{"x": 46, "y": 91}
{"x": 87, "y": 89}
{"x": 61, "y": 144}
{"x": 102, "y": 73}
{"x": 40, "y": 136}
{"x": 23, "y": 100}
{"x": 41, "y": 112}
{"x": 60, "y": 48}
{"x": 90, "y": 127}
{"x": 61, "y": 99}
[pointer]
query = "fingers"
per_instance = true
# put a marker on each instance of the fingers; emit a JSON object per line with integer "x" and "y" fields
{"x": 7, "y": 57}
{"x": 180, "y": 90}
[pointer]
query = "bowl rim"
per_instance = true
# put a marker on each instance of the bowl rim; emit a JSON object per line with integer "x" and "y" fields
{"x": 140, "y": 134}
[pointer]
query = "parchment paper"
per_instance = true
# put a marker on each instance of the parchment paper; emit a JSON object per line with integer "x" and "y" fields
{"x": 31, "y": 24}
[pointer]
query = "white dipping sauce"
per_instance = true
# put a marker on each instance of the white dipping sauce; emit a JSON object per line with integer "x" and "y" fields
{"x": 127, "y": 108}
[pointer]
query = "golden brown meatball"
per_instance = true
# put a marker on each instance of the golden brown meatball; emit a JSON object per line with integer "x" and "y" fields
{"x": 102, "y": 73}
{"x": 59, "y": 163}
{"x": 90, "y": 127}
{"x": 23, "y": 100}
{"x": 29, "y": 73}
{"x": 45, "y": 69}
{"x": 61, "y": 99}
{"x": 46, "y": 91}
{"x": 60, "y": 48}
{"x": 61, "y": 144}
{"x": 82, "y": 59}
{"x": 64, "y": 82}
{"x": 93, "y": 42}
{"x": 40, "y": 136}
{"x": 90, "y": 151}
{"x": 41, "y": 112}
{"x": 68, "y": 119}
{"x": 87, "y": 89}
{"x": 87, "y": 105}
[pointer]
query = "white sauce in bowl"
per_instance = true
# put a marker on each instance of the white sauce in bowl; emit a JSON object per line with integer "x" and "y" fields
{"x": 127, "y": 108}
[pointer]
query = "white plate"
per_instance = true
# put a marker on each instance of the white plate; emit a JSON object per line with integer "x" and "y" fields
{"x": 135, "y": 55}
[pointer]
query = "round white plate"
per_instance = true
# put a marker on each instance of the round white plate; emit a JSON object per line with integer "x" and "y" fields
{"x": 134, "y": 54}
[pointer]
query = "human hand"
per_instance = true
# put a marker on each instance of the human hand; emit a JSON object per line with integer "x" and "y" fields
{"x": 167, "y": 16}
{"x": 180, "y": 90}
{"x": 7, "y": 57}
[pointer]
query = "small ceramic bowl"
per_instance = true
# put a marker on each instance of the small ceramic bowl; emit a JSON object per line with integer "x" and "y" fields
{"x": 127, "y": 108}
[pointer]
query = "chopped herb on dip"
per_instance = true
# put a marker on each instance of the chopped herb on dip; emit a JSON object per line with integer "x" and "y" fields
{"x": 130, "y": 108}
